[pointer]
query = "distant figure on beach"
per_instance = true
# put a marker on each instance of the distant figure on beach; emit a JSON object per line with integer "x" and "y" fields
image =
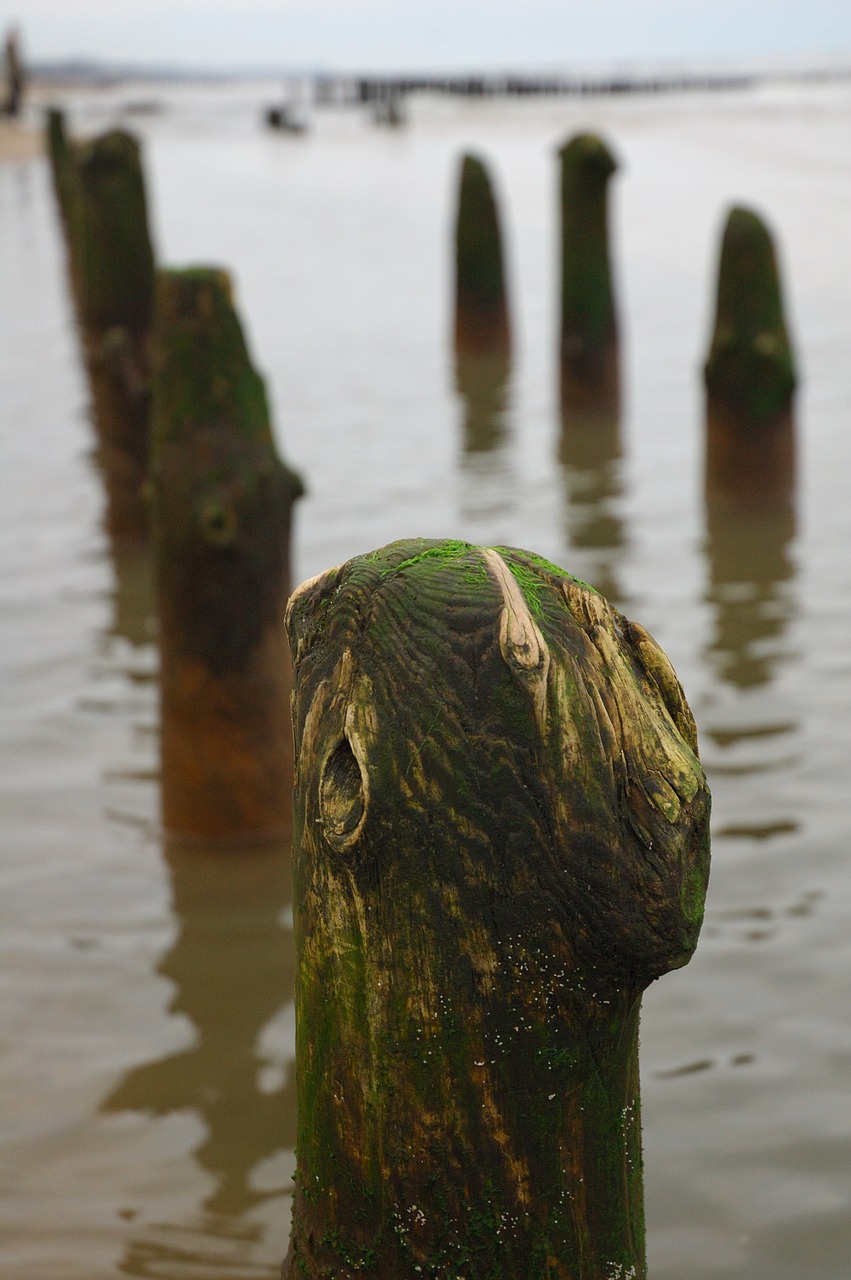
{"x": 14, "y": 75}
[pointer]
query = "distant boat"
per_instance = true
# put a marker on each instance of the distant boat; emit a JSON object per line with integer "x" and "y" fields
{"x": 286, "y": 118}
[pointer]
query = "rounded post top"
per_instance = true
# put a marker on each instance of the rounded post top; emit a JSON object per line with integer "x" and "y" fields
{"x": 483, "y": 690}
{"x": 750, "y": 367}
{"x": 203, "y": 375}
{"x": 588, "y": 154}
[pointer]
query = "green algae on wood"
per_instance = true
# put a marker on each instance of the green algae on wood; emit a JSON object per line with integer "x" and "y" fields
{"x": 750, "y": 370}
{"x": 481, "y": 306}
{"x": 589, "y": 363}
{"x": 500, "y": 839}
{"x": 222, "y": 506}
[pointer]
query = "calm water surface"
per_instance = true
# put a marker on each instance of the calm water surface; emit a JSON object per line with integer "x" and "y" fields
{"x": 146, "y": 1020}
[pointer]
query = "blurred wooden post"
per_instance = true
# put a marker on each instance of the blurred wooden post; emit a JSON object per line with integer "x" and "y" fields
{"x": 482, "y": 327}
{"x": 61, "y": 166}
{"x": 589, "y": 356}
{"x": 749, "y": 372}
{"x": 481, "y": 306}
{"x": 500, "y": 839}
{"x": 15, "y": 79}
{"x": 113, "y": 270}
{"x": 222, "y": 504}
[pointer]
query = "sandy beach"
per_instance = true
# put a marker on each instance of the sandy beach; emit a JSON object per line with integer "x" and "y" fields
{"x": 18, "y": 140}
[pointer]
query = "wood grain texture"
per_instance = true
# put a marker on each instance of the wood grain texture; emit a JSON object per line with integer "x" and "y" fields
{"x": 501, "y": 837}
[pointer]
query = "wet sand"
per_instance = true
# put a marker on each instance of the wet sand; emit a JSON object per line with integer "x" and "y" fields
{"x": 19, "y": 140}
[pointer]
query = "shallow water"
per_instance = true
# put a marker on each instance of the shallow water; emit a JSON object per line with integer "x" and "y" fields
{"x": 146, "y": 1020}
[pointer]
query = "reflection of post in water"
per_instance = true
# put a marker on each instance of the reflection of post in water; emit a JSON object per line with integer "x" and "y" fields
{"x": 134, "y": 593}
{"x": 482, "y": 383}
{"x": 750, "y": 454}
{"x": 750, "y": 566}
{"x": 591, "y": 458}
{"x": 589, "y": 356}
{"x": 232, "y": 966}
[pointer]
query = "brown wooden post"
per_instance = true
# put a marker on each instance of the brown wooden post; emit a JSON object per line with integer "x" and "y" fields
{"x": 482, "y": 327}
{"x": 481, "y": 304}
{"x": 501, "y": 838}
{"x": 113, "y": 271}
{"x": 749, "y": 372}
{"x": 589, "y": 355}
{"x": 222, "y": 502}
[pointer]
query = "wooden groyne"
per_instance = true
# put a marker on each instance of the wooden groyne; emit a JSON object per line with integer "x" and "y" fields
{"x": 347, "y": 90}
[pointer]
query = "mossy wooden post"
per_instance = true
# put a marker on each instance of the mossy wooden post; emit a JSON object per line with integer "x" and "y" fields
{"x": 749, "y": 372}
{"x": 113, "y": 269}
{"x": 481, "y": 305}
{"x": 61, "y": 165}
{"x": 589, "y": 357}
{"x": 222, "y": 503}
{"x": 500, "y": 839}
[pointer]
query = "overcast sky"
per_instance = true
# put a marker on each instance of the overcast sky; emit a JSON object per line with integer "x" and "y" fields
{"x": 429, "y": 33}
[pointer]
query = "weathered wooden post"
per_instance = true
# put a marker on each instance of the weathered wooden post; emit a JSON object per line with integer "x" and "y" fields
{"x": 589, "y": 356}
{"x": 14, "y": 75}
{"x": 501, "y": 838}
{"x": 222, "y": 503}
{"x": 481, "y": 305}
{"x": 61, "y": 167}
{"x": 749, "y": 372}
{"x": 113, "y": 269}
{"x": 482, "y": 327}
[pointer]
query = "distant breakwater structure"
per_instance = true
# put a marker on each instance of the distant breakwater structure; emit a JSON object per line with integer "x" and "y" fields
{"x": 352, "y": 90}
